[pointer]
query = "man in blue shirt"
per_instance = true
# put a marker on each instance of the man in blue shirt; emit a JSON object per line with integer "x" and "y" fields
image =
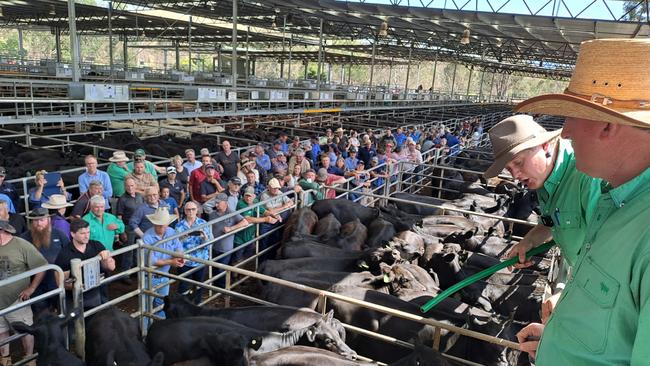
{"x": 400, "y": 137}
{"x": 92, "y": 174}
{"x": 315, "y": 150}
{"x": 160, "y": 231}
{"x": 367, "y": 152}
{"x": 7, "y": 188}
{"x": 262, "y": 160}
{"x": 283, "y": 145}
{"x": 191, "y": 162}
{"x": 352, "y": 160}
{"x": 190, "y": 241}
{"x": 139, "y": 221}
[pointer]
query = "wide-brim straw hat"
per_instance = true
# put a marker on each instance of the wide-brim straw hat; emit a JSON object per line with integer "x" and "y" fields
{"x": 512, "y": 136}
{"x": 161, "y": 216}
{"x": 610, "y": 83}
{"x": 56, "y": 202}
{"x": 118, "y": 156}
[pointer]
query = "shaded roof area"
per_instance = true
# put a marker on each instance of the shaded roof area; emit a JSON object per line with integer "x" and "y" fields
{"x": 93, "y": 20}
{"x": 328, "y": 57}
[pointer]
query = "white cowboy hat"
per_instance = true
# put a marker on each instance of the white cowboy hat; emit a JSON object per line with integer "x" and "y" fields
{"x": 118, "y": 156}
{"x": 610, "y": 83}
{"x": 56, "y": 202}
{"x": 161, "y": 216}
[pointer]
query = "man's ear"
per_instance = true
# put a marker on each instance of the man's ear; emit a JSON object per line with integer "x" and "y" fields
{"x": 608, "y": 130}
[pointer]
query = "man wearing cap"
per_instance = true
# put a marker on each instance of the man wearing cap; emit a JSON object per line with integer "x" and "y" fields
{"x": 224, "y": 226}
{"x": 191, "y": 162}
{"x": 198, "y": 176}
{"x": 143, "y": 180}
{"x": 248, "y": 165}
{"x": 160, "y": 231}
{"x": 17, "y": 256}
{"x": 231, "y": 191}
{"x": 352, "y": 160}
{"x": 299, "y": 158}
{"x": 82, "y": 206}
{"x": 139, "y": 221}
{"x": 275, "y": 203}
{"x": 252, "y": 216}
{"x": 83, "y": 248}
{"x": 117, "y": 171}
{"x": 149, "y": 167}
{"x": 280, "y": 165}
{"x": 603, "y": 314}
{"x": 104, "y": 227}
{"x": 176, "y": 189}
{"x": 49, "y": 242}
{"x": 7, "y": 188}
{"x": 377, "y": 174}
{"x": 228, "y": 161}
{"x": 412, "y": 155}
{"x": 211, "y": 186}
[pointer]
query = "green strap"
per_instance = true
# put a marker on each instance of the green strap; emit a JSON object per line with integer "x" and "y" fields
{"x": 480, "y": 275}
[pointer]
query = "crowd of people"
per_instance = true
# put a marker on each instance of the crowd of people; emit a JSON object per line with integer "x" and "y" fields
{"x": 137, "y": 199}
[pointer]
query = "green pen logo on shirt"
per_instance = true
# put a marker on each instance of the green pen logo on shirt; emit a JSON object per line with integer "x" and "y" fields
{"x": 604, "y": 288}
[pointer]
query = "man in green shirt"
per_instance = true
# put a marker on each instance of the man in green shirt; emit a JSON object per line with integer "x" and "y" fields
{"x": 103, "y": 225}
{"x": 17, "y": 256}
{"x": 149, "y": 167}
{"x": 254, "y": 215}
{"x": 117, "y": 171}
{"x": 603, "y": 315}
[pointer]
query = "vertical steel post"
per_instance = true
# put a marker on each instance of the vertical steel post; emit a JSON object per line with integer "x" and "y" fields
{"x": 320, "y": 59}
{"x": 189, "y": 45}
{"x": 57, "y": 42}
{"x": 453, "y": 80}
{"x": 480, "y": 90}
{"x": 78, "y": 303}
{"x": 248, "y": 71}
{"x": 75, "y": 56}
{"x": 110, "y": 39}
{"x": 372, "y": 70}
{"x": 433, "y": 79}
{"x": 469, "y": 82}
{"x": 177, "y": 55}
{"x": 233, "y": 67}
{"x": 408, "y": 72}
{"x": 284, "y": 31}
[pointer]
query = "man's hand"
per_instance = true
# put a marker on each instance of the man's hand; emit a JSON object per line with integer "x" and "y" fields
{"x": 519, "y": 250}
{"x": 112, "y": 227}
{"x": 271, "y": 220}
{"x": 227, "y": 229}
{"x": 548, "y": 306}
{"x": 177, "y": 262}
{"x": 26, "y": 293}
{"x": 529, "y": 338}
{"x": 104, "y": 255}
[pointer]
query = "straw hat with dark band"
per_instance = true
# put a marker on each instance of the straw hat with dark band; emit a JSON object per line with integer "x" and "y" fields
{"x": 512, "y": 136}
{"x": 610, "y": 83}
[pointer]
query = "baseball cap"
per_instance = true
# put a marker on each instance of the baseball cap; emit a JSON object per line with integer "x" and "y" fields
{"x": 235, "y": 180}
{"x": 171, "y": 169}
{"x": 249, "y": 191}
{"x": 139, "y": 152}
{"x": 221, "y": 197}
{"x": 274, "y": 183}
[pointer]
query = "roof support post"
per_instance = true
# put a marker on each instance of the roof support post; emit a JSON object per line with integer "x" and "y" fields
{"x": 248, "y": 67}
{"x": 408, "y": 72}
{"x": 350, "y": 72}
{"x": 453, "y": 80}
{"x": 433, "y": 79}
{"x": 21, "y": 50}
{"x": 289, "y": 64}
{"x": 305, "y": 63}
{"x": 372, "y": 69}
{"x": 320, "y": 58}
{"x": 177, "y": 55}
{"x": 480, "y": 89}
{"x": 110, "y": 39}
{"x": 233, "y": 66}
{"x": 125, "y": 52}
{"x": 189, "y": 45}
{"x": 284, "y": 31}
{"x": 491, "y": 86}
{"x": 469, "y": 82}
{"x": 75, "y": 56}
{"x": 57, "y": 41}
{"x": 390, "y": 72}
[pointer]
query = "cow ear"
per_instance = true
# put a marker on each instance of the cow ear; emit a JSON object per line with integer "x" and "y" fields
{"x": 21, "y": 327}
{"x": 329, "y": 316}
{"x": 311, "y": 333}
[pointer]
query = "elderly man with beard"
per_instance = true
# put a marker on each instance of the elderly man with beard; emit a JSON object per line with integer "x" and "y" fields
{"x": 17, "y": 256}
{"x": 49, "y": 242}
{"x": 104, "y": 227}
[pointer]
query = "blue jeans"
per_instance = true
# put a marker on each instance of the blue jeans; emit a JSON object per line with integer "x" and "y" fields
{"x": 163, "y": 291}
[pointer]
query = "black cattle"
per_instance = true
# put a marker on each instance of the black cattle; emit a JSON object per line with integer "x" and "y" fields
{"x": 157, "y": 360}
{"x": 380, "y": 232}
{"x": 273, "y": 267}
{"x": 306, "y": 248}
{"x": 414, "y": 207}
{"x": 112, "y": 330}
{"x": 328, "y": 334}
{"x": 352, "y": 236}
{"x": 327, "y": 227}
{"x": 303, "y": 356}
{"x": 345, "y": 210}
{"x": 301, "y": 222}
{"x": 400, "y": 220}
{"x": 49, "y": 340}
{"x": 190, "y": 340}
{"x": 422, "y": 356}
